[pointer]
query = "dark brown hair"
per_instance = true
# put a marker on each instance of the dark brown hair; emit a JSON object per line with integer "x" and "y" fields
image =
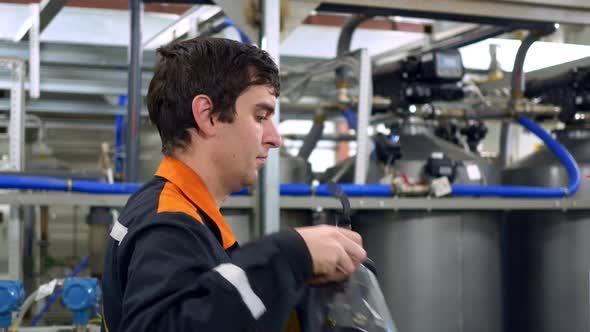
{"x": 219, "y": 68}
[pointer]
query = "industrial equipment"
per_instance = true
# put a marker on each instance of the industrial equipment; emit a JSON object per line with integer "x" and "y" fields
{"x": 570, "y": 90}
{"x": 80, "y": 295}
{"x": 546, "y": 263}
{"x": 423, "y": 78}
{"x": 12, "y": 295}
{"x": 481, "y": 266}
{"x": 439, "y": 270}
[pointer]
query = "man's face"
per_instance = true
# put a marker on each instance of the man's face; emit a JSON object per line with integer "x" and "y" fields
{"x": 244, "y": 144}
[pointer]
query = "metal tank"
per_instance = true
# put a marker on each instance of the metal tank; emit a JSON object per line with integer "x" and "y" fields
{"x": 549, "y": 253}
{"x": 439, "y": 270}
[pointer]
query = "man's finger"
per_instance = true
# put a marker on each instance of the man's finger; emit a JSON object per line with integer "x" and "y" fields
{"x": 352, "y": 235}
{"x": 353, "y": 249}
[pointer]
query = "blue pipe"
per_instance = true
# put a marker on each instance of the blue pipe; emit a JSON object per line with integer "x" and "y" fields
{"x": 295, "y": 189}
{"x": 32, "y": 182}
{"x": 357, "y": 190}
{"x": 93, "y": 187}
{"x": 375, "y": 190}
{"x": 45, "y": 183}
{"x": 532, "y": 192}
{"x": 243, "y": 192}
{"x": 58, "y": 292}
{"x": 571, "y": 167}
{"x": 244, "y": 38}
{"x": 351, "y": 118}
{"x": 507, "y": 191}
{"x": 119, "y": 141}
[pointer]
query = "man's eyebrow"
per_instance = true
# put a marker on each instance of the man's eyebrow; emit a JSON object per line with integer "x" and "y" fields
{"x": 270, "y": 108}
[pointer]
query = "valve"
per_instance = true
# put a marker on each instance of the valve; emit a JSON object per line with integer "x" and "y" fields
{"x": 475, "y": 131}
{"x": 80, "y": 295}
{"x": 439, "y": 165}
{"x": 12, "y": 295}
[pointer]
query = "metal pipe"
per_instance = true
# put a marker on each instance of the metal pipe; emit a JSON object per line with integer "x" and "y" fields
{"x": 44, "y": 243}
{"x": 269, "y": 191}
{"x": 518, "y": 80}
{"x": 365, "y": 100}
{"x": 134, "y": 91}
{"x": 346, "y": 165}
{"x": 506, "y": 138}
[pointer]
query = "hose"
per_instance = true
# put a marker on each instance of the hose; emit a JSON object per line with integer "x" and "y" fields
{"x": 243, "y": 37}
{"x": 558, "y": 150}
{"x": 23, "y": 310}
{"x": 518, "y": 80}
{"x": 315, "y": 134}
{"x": 227, "y": 22}
{"x": 344, "y": 41}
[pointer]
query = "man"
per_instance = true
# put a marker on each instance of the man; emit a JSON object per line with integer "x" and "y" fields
{"x": 173, "y": 263}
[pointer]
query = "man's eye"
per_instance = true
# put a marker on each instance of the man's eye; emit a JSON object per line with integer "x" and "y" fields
{"x": 260, "y": 118}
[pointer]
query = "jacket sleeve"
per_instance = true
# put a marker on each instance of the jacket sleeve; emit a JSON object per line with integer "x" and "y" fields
{"x": 175, "y": 283}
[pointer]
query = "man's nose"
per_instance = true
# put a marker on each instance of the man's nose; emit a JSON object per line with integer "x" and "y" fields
{"x": 272, "y": 136}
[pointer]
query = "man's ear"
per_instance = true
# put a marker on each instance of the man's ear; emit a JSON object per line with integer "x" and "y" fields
{"x": 202, "y": 107}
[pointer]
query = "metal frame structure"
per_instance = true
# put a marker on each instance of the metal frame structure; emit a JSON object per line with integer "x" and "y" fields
{"x": 34, "y": 51}
{"x": 135, "y": 102}
{"x": 16, "y": 134}
{"x": 478, "y": 11}
{"x": 315, "y": 202}
{"x": 365, "y": 101}
{"x": 269, "y": 190}
{"x": 45, "y": 12}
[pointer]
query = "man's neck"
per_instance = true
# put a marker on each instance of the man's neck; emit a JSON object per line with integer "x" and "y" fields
{"x": 207, "y": 173}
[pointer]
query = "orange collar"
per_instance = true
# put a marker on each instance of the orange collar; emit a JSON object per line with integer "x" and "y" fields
{"x": 193, "y": 187}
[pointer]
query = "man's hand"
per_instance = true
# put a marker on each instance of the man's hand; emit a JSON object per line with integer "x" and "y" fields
{"x": 335, "y": 252}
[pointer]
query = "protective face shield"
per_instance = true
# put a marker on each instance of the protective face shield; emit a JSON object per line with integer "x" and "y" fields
{"x": 353, "y": 305}
{"x": 356, "y": 304}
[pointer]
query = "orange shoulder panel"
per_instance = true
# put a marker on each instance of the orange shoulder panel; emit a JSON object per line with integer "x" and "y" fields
{"x": 173, "y": 200}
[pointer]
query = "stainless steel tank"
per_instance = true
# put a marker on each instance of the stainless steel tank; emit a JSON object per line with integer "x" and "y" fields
{"x": 549, "y": 253}
{"x": 440, "y": 270}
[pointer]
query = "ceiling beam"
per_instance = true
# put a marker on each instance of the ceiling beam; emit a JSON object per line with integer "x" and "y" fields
{"x": 182, "y": 26}
{"x": 169, "y": 8}
{"x": 48, "y": 11}
{"x": 377, "y": 23}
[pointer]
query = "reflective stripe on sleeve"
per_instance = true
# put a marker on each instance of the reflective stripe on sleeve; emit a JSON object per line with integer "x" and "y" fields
{"x": 237, "y": 277}
{"x": 118, "y": 231}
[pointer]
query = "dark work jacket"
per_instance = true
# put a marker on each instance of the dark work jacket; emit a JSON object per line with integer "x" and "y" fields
{"x": 173, "y": 264}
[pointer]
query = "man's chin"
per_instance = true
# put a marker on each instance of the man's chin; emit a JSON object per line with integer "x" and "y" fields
{"x": 250, "y": 182}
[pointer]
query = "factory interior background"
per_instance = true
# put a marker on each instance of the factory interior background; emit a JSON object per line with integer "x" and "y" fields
{"x": 459, "y": 130}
